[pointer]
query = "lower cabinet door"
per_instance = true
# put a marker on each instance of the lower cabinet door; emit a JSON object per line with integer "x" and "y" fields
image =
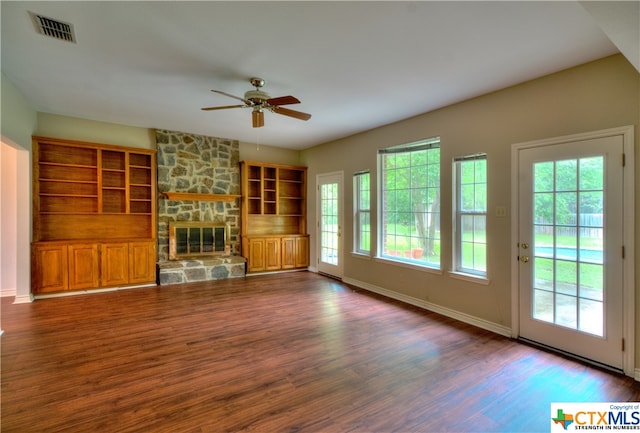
{"x": 142, "y": 262}
{"x": 256, "y": 259}
{"x": 84, "y": 266}
{"x": 272, "y": 254}
{"x": 302, "y": 251}
{"x": 288, "y": 252}
{"x": 115, "y": 264}
{"x": 50, "y": 268}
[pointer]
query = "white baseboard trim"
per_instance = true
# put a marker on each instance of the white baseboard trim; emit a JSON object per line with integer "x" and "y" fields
{"x": 636, "y": 374}
{"x": 8, "y": 292}
{"x": 23, "y": 299}
{"x": 466, "y": 318}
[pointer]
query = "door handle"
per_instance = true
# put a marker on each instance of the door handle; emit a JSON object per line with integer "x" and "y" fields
{"x": 524, "y": 259}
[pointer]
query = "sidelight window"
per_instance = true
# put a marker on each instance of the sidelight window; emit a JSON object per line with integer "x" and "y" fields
{"x": 362, "y": 212}
{"x": 470, "y": 214}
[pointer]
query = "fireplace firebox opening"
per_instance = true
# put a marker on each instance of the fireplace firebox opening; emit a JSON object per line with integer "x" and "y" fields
{"x": 198, "y": 239}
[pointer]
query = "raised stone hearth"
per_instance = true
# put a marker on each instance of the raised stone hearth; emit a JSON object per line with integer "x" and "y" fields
{"x": 188, "y": 271}
{"x": 201, "y": 166}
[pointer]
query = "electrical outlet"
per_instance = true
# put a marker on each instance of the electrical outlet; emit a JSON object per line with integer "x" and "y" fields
{"x": 501, "y": 211}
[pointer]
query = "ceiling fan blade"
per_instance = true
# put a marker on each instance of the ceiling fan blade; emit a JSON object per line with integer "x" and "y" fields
{"x": 258, "y": 118}
{"x": 223, "y": 107}
{"x": 292, "y": 113}
{"x": 283, "y": 100}
{"x": 232, "y": 96}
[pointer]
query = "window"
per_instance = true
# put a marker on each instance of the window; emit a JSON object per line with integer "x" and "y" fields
{"x": 470, "y": 215}
{"x": 362, "y": 212}
{"x": 410, "y": 202}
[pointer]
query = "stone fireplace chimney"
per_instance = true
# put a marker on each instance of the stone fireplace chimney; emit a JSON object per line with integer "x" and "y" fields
{"x": 207, "y": 171}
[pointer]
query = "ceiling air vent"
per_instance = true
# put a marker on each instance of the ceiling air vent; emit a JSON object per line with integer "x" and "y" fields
{"x": 53, "y": 28}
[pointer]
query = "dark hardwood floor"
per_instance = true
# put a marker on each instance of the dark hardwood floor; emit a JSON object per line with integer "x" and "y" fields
{"x": 278, "y": 353}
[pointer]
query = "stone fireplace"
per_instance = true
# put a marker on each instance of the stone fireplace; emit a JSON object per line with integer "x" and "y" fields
{"x": 199, "y": 186}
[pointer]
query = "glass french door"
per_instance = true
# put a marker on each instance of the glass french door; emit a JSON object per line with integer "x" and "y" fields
{"x": 330, "y": 217}
{"x": 570, "y": 247}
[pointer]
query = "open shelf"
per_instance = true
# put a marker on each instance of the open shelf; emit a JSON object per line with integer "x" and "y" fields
{"x": 61, "y": 154}
{"x": 79, "y": 179}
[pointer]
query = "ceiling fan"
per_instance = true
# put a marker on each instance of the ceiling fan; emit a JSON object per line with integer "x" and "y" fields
{"x": 260, "y": 101}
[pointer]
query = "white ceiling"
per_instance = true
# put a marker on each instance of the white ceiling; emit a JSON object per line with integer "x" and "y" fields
{"x": 354, "y": 65}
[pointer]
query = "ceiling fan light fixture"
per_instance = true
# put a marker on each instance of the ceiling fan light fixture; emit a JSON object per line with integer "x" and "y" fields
{"x": 257, "y": 117}
{"x": 256, "y": 95}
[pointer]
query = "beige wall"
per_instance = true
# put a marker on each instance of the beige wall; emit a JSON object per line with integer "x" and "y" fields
{"x": 598, "y": 95}
{"x": 73, "y": 128}
{"x": 253, "y": 152}
{"x": 18, "y": 124}
{"x": 18, "y": 119}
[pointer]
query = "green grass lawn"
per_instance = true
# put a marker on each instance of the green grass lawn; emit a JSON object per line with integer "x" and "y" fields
{"x": 565, "y": 276}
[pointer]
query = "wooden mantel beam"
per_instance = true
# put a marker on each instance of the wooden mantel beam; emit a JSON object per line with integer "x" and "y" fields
{"x": 192, "y": 196}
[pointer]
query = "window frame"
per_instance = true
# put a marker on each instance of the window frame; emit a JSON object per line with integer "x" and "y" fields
{"x": 458, "y": 214}
{"x": 358, "y": 211}
{"x": 431, "y": 212}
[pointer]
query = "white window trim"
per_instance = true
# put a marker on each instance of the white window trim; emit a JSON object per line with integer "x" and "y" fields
{"x": 357, "y": 230}
{"x": 458, "y": 271}
{"x": 424, "y": 143}
{"x": 472, "y": 278}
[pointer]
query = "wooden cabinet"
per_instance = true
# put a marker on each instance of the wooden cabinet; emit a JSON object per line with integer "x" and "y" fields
{"x": 84, "y": 266}
{"x": 142, "y": 262}
{"x": 115, "y": 264}
{"x": 264, "y": 254}
{"x": 275, "y": 253}
{"x": 255, "y": 254}
{"x": 302, "y": 251}
{"x": 62, "y": 266}
{"x": 274, "y": 216}
{"x": 94, "y": 215}
{"x": 295, "y": 252}
{"x": 272, "y": 254}
{"x": 50, "y": 268}
{"x": 288, "y": 253}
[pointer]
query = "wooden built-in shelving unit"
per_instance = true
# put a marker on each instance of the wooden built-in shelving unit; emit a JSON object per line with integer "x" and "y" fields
{"x": 94, "y": 215}
{"x": 274, "y": 216}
